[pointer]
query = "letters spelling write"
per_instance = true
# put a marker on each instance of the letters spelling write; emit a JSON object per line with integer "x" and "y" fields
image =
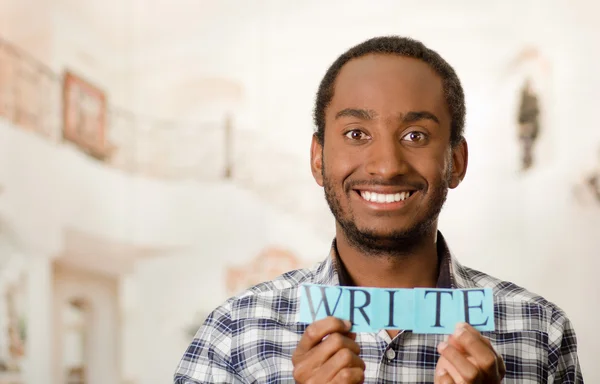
{"x": 421, "y": 310}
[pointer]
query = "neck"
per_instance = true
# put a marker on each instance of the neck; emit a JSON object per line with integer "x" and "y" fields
{"x": 415, "y": 268}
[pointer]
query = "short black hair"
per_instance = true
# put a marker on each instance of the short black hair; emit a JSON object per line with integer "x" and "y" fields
{"x": 402, "y": 46}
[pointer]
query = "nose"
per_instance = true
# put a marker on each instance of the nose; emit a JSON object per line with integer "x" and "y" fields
{"x": 386, "y": 159}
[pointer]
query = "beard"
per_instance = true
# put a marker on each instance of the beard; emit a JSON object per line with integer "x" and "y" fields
{"x": 398, "y": 242}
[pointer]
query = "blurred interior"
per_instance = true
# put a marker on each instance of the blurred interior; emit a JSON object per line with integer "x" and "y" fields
{"x": 154, "y": 161}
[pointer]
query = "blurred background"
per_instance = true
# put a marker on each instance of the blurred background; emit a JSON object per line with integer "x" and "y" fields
{"x": 154, "y": 160}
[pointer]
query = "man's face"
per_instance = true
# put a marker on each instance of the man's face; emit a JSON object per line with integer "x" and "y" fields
{"x": 386, "y": 163}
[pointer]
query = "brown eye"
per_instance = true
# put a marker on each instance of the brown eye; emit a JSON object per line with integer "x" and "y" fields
{"x": 355, "y": 134}
{"x": 415, "y": 137}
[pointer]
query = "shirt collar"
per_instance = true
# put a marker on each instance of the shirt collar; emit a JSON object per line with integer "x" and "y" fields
{"x": 333, "y": 271}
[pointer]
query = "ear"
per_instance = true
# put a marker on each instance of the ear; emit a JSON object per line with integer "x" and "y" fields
{"x": 316, "y": 160}
{"x": 460, "y": 160}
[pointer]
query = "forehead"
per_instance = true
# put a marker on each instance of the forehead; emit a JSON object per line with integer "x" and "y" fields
{"x": 389, "y": 83}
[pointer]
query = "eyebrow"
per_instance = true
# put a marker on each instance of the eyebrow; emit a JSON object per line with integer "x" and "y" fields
{"x": 363, "y": 114}
{"x": 413, "y": 116}
{"x": 369, "y": 114}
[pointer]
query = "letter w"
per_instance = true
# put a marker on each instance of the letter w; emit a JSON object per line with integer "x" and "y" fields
{"x": 323, "y": 302}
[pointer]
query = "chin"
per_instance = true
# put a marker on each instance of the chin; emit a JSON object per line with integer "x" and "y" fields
{"x": 385, "y": 229}
{"x": 385, "y": 234}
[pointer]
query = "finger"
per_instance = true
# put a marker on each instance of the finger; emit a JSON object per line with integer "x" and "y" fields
{"x": 476, "y": 347}
{"x": 466, "y": 371}
{"x": 443, "y": 377}
{"x": 328, "y": 348}
{"x": 344, "y": 358}
{"x": 315, "y": 332}
{"x": 306, "y": 365}
{"x": 452, "y": 339}
{"x": 469, "y": 328}
{"x": 499, "y": 360}
{"x": 350, "y": 375}
{"x": 444, "y": 365}
{"x": 501, "y": 368}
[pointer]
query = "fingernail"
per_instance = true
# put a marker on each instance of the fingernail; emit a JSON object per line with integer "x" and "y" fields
{"x": 348, "y": 324}
{"x": 442, "y": 372}
{"x": 460, "y": 329}
{"x": 443, "y": 345}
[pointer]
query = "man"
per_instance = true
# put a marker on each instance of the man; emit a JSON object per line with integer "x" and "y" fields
{"x": 389, "y": 144}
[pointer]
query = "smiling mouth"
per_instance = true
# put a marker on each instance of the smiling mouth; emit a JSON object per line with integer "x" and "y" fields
{"x": 385, "y": 198}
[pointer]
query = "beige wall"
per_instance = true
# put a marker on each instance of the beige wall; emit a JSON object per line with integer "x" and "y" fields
{"x": 31, "y": 30}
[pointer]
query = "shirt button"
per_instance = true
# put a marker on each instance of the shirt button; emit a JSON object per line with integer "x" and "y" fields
{"x": 390, "y": 354}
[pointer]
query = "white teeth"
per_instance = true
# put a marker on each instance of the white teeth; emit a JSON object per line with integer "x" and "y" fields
{"x": 383, "y": 197}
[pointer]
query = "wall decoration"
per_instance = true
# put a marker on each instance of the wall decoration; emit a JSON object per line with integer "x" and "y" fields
{"x": 269, "y": 264}
{"x": 529, "y": 76}
{"x": 84, "y": 115}
{"x": 587, "y": 189}
{"x": 529, "y": 123}
{"x": 592, "y": 182}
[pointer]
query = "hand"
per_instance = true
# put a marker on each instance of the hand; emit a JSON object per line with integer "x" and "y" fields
{"x": 468, "y": 358}
{"x": 332, "y": 360}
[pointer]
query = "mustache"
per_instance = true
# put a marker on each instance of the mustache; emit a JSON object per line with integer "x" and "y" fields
{"x": 352, "y": 184}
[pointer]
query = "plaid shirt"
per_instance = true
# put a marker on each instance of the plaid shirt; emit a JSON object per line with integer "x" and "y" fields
{"x": 251, "y": 337}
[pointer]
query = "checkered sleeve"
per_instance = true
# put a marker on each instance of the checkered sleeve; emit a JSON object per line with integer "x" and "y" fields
{"x": 563, "y": 361}
{"x": 208, "y": 358}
